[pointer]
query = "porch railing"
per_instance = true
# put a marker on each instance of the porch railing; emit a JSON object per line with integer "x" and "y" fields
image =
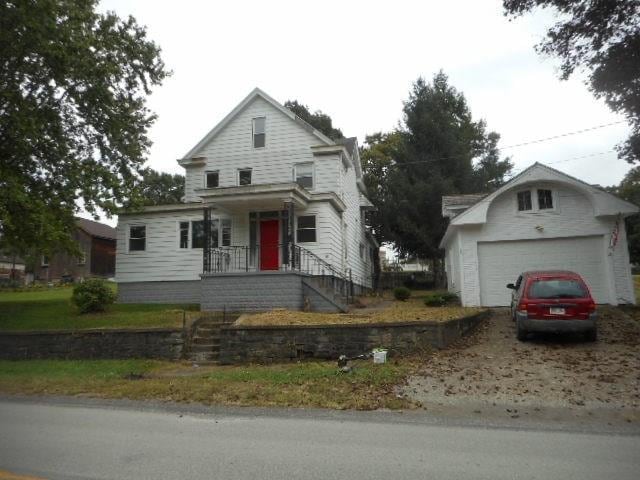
{"x": 294, "y": 258}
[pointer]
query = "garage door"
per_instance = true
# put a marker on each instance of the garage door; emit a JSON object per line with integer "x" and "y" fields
{"x": 501, "y": 263}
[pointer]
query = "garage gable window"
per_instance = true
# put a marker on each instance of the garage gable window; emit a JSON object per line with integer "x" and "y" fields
{"x": 545, "y": 200}
{"x": 524, "y": 201}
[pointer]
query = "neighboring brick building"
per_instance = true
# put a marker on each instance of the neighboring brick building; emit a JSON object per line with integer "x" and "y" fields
{"x": 97, "y": 242}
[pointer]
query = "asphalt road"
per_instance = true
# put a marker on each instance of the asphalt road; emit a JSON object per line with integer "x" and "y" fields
{"x": 97, "y": 441}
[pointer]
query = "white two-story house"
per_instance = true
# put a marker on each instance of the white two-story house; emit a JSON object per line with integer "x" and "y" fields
{"x": 273, "y": 217}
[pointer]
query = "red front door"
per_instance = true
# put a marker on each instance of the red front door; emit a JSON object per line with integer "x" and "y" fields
{"x": 269, "y": 245}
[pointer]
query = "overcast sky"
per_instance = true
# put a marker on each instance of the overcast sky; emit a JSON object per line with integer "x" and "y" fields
{"x": 356, "y": 61}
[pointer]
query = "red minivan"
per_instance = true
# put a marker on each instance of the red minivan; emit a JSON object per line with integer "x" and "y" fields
{"x": 553, "y": 301}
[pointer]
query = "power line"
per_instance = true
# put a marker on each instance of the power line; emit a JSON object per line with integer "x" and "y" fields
{"x": 567, "y": 134}
{"x": 515, "y": 172}
{"x": 530, "y": 142}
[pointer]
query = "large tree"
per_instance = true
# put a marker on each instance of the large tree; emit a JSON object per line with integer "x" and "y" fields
{"x": 601, "y": 37}
{"x": 73, "y": 120}
{"x": 319, "y": 120}
{"x": 438, "y": 150}
{"x": 159, "y": 188}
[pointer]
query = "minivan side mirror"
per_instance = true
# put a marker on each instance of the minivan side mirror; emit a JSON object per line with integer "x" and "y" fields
{"x": 511, "y": 286}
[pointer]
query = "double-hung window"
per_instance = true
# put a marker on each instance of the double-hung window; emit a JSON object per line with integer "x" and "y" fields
{"x": 137, "y": 238}
{"x": 225, "y": 232}
{"x": 259, "y": 132}
{"x": 184, "y": 235}
{"x": 303, "y": 173}
{"x": 220, "y": 232}
{"x": 306, "y": 231}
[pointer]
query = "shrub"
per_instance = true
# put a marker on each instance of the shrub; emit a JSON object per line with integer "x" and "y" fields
{"x": 441, "y": 299}
{"x": 92, "y": 295}
{"x": 434, "y": 301}
{"x": 401, "y": 293}
{"x": 450, "y": 297}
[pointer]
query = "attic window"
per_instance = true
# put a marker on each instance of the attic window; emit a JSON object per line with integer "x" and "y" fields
{"x": 259, "y": 132}
{"x": 545, "y": 200}
{"x": 524, "y": 201}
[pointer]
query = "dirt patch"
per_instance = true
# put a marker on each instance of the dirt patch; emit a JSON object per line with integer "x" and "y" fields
{"x": 387, "y": 312}
{"x": 491, "y": 367}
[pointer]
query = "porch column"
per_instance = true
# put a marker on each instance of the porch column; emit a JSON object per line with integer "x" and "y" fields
{"x": 206, "y": 251}
{"x": 291, "y": 234}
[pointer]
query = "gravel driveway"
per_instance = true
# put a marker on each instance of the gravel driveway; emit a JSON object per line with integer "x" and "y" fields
{"x": 491, "y": 367}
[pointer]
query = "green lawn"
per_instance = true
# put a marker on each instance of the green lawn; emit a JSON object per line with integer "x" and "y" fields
{"x": 304, "y": 384}
{"x": 51, "y": 309}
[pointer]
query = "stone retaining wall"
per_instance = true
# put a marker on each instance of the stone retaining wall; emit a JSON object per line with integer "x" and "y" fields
{"x": 240, "y": 344}
{"x": 161, "y": 343}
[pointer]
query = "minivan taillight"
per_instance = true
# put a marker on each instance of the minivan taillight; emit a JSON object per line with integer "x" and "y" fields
{"x": 591, "y": 307}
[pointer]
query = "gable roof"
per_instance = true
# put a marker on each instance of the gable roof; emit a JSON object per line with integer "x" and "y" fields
{"x": 350, "y": 144}
{"x": 96, "y": 229}
{"x": 604, "y": 203}
{"x": 256, "y": 92}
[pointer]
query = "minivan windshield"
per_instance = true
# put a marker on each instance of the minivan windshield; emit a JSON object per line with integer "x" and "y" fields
{"x": 557, "y": 288}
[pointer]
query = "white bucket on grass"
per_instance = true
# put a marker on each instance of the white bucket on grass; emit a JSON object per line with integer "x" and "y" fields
{"x": 380, "y": 356}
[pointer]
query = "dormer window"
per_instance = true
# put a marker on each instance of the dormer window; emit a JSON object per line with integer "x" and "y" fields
{"x": 545, "y": 200}
{"x": 524, "y": 201}
{"x": 259, "y": 132}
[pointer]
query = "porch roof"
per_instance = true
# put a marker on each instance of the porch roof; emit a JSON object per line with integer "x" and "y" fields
{"x": 269, "y": 196}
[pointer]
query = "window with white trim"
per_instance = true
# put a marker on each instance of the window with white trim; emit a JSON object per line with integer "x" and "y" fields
{"x": 545, "y": 199}
{"x": 259, "y": 132}
{"x": 137, "y": 238}
{"x": 194, "y": 230}
{"x": 524, "y": 201}
{"x": 306, "y": 231}
{"x": 82, "y": 259}
{"x": 184, "y": 235}
{"x": 244, "y": 176}
{"x": 303, "y": 174}
{"x": 44, "y": 261}
{"x": 212, "y": 179}
{"x": 197, "y": 234}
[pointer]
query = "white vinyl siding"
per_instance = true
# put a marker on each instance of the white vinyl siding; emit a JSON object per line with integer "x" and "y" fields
{"x": 568, "y": 223}
{"x": 162, "y": 259}
{"x": 288, "y": 143}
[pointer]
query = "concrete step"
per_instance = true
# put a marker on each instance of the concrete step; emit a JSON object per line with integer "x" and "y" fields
{"x": 205, "y": 340}
{"x": 204, "y": 348}
{"x": 201, "y": 329}
{"x": 203, "y": 358}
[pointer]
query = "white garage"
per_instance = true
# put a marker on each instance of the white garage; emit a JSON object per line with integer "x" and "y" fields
{"x": 500, "y": 263}
{"x": 542, "y": 219}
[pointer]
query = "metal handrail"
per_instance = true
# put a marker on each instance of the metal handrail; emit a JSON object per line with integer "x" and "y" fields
{"x": 245, "y": 258}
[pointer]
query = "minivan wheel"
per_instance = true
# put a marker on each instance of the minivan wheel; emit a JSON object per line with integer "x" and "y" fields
{"x": 521, "y": 333}
{"x": 592, "y": 335}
